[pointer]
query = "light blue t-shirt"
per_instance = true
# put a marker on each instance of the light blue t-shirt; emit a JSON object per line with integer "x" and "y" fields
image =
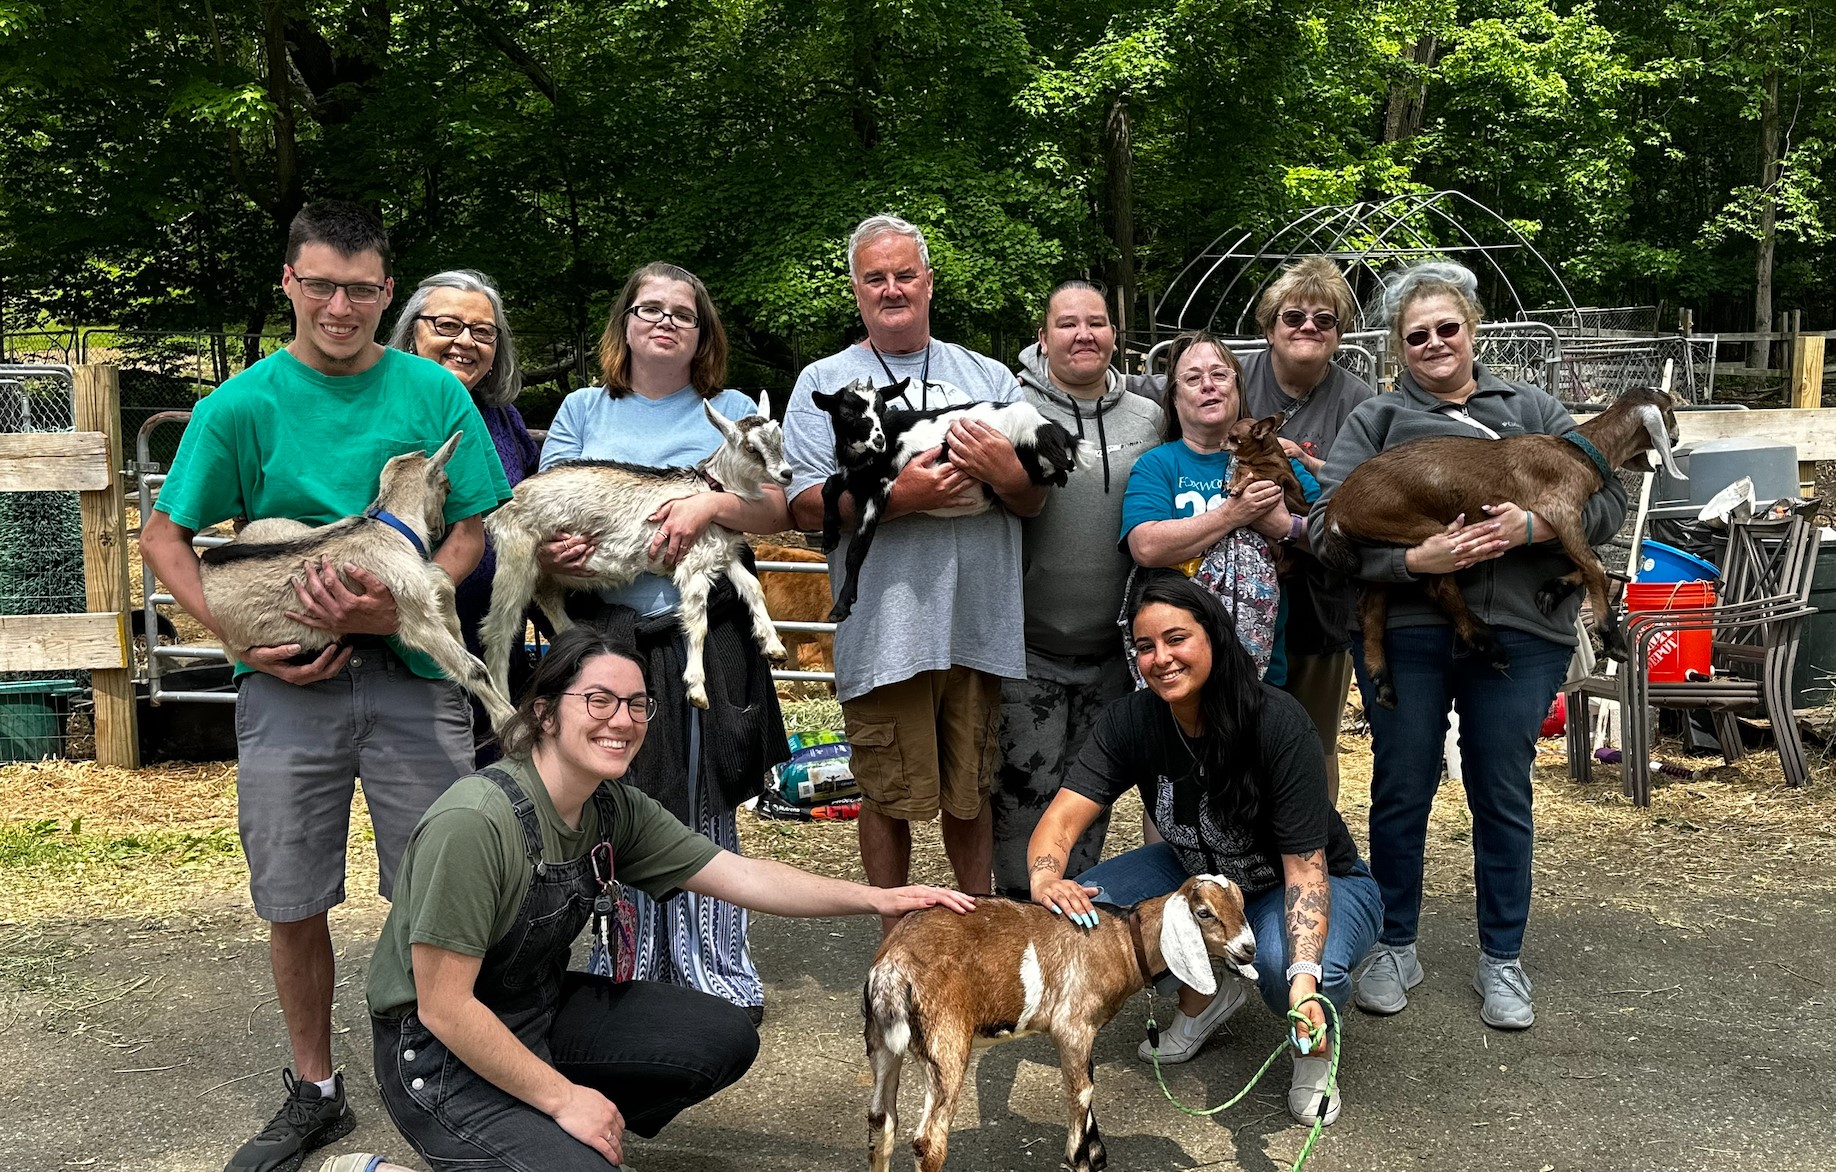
{"x": 671, "y": 432}
{"x": 936, "y": 591}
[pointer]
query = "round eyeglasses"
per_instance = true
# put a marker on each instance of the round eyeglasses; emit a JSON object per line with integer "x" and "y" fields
{"x": 605, "y": 705}
{"x": 484, "y": 333}
{"x": 686, "y": 319}
{"x": 1322, "y": 321}
{"x": 1444, "y": 331}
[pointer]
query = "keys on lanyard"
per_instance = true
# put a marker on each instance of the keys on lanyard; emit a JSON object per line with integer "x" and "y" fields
{"x": 602, "y": 902}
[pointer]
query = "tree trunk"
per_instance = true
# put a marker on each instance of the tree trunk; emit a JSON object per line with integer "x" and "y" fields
{"x": 1119, "y": 158}
{"x": 866, "y": 46}
{"x": 1768, "y": 222}
{"x": 289, "y": 184}
{"x": 1408, "y": 100}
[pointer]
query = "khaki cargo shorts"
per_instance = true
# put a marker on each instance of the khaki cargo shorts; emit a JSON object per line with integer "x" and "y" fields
{"x": 927, "y": 743}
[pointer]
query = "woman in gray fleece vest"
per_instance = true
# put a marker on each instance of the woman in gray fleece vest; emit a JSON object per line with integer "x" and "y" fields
{"x": 1073, "y": 575}
{"x": 1498, "y": 561}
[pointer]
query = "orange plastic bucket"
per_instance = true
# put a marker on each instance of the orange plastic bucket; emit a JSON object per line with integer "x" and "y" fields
{"x": 1675, "y": 653}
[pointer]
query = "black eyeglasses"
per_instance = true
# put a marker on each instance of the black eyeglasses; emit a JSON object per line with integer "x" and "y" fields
{"x": 320, "y": 289}
{"x": 686, "y": 319}
{"x": 605, "y": 705}
{"x": 484, "y": 333}
{"x": 1444, "y": 331}
{"x": 1323, "y": 321}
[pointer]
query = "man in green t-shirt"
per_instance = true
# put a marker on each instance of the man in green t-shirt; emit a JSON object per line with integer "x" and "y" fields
{"x": 304, "y": 434}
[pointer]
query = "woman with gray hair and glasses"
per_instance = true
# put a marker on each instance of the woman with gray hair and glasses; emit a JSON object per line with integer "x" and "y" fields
{"x": 456, "y": 318}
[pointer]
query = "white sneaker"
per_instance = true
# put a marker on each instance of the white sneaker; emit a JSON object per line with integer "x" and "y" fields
{"x": 352, "y": 1162}
{"x": 1308, "y": 1087}
{"x": 1184, "y": 1036}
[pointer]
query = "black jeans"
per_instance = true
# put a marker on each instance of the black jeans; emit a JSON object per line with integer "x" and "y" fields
{"x": 652, "y": 1049}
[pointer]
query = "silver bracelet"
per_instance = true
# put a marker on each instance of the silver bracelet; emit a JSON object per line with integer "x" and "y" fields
{"x": 1306, "y": 968}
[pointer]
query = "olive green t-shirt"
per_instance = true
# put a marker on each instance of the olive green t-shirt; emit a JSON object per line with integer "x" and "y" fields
{"x": 466, "y": 873}
{"x": 282, "y": 440}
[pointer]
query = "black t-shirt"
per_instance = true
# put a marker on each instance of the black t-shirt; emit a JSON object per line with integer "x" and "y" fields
{"x": 1136, "y": 744}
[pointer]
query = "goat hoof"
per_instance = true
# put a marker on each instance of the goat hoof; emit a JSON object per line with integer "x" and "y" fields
{"x": 1386, "y": 694}
{"x": 839, "y": 614}
{"x": 698, "y": 697}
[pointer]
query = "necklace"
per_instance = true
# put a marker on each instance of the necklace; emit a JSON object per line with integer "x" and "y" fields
{"x": 1190, "y": 752}
{"x": 924, "y": 376}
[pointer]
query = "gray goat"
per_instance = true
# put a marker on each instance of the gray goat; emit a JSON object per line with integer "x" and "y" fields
{"x": 248, "y": 584}
{"x": 611, "y": 502}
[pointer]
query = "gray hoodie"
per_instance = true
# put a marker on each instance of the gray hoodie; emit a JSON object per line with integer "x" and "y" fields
{"x": 1072, "y": 570}
{"x": 1501, "y": 591}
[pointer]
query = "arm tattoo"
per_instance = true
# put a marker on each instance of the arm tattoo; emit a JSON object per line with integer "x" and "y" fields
{"x": 1047, "y": 864}
{"x": 1309, "y": 911}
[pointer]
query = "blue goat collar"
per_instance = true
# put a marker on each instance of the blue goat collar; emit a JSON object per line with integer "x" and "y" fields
{"x": 1593, "y": 453}
{"x": 400, "y": 526}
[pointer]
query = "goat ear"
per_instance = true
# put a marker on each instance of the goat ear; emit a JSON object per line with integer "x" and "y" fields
{"x": 439, "y": 458}
{"x": 1653, "y": 419}
{"x": 721, "y": 422}
{"x": 1182, "y": 945}
{"x": 765, "y": 404}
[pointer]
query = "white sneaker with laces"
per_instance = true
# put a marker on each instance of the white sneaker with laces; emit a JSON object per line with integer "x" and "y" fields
{"x": 1185, "y": 1036}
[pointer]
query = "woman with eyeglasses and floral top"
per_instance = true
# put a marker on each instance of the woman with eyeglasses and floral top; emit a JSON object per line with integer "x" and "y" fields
{"x": 663, "y": 354}
{"x": 488, "y": 1052}
{"x": 456, "y": 318}
{"x": 1304, "y": 314}
{"x": 1499, "y": 561}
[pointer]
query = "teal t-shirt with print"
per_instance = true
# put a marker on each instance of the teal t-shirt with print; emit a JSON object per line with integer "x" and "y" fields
{"x": 282, "y": 440}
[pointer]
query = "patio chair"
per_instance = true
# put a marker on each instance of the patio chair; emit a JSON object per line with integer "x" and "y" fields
{"x": 1763, "y": 602}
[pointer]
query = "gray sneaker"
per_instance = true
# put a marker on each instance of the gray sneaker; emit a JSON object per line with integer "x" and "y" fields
{"x": 1506, "y": 989}
{"x": 1389, "y": 973}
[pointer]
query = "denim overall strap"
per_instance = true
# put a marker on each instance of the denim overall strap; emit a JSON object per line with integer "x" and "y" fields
{"x": 520, "y": 977}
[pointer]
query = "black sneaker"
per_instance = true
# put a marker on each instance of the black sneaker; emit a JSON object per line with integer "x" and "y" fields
{"x": 307, "y": 1120}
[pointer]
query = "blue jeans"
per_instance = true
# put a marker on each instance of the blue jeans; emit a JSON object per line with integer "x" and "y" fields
{"x": 1500, "y": 715}
{"x": 1155, "y": 870}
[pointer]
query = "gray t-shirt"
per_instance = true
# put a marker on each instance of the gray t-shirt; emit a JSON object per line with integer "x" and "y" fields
{"x": 935, "y": 591}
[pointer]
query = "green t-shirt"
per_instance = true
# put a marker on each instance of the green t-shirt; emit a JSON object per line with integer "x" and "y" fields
{"x": 465, "y": 873}
{"x": 282, "y": 440}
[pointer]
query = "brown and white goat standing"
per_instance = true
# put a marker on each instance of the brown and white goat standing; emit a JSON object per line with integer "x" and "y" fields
{"x": 610, "y": 503}
{"x": 1411, "y": 492}
{"x": 249, "y": 583}
{"x": 943, "y": 984}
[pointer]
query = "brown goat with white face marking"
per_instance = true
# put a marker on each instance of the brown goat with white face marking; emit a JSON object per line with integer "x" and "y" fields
{"x": 943, "y": 984}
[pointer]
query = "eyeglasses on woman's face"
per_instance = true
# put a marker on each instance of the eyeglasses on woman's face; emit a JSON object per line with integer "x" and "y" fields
{"x": 605, "y": 705}
{"x": 1446, "y": 331}
{"x": 650, "y": 311}
{"x": 321, "y": 289}
{"x": 483, "y": 333}
{"x": 1322, "y": 320}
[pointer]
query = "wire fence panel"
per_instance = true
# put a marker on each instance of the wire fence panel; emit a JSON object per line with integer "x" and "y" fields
{"x": 38, "y": 346}
{"x": 1600, "y": 370}
{"x": 41, "y": 572}
{"x": 1592, "y": 319}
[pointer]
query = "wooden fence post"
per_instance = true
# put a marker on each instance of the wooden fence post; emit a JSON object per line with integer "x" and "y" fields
{"x": 105, "y": 565}
{"x": 1807, "y": 391}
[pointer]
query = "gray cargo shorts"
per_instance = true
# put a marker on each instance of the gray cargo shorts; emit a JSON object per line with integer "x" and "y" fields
{"x": 302, "y": 749}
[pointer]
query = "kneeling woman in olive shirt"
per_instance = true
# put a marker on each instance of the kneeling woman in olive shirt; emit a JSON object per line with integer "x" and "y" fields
{"x": 1231, "y": 772}
{"x": 489, "y": 1053}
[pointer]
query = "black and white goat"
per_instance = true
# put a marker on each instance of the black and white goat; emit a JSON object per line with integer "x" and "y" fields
{"x": 611, "y": 502}
{"x": 874, "y": 442}
{"x": 944, "y": 984}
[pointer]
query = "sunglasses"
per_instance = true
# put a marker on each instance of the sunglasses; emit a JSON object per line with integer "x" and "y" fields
{"x": 1444, "y": 331}
{"x": 1323, "y": 321}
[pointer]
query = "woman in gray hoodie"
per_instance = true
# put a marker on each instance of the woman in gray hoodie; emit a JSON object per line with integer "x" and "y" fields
{"x": 1073, "y": 576}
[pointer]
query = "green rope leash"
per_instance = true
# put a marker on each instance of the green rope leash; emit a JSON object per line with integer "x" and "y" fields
{"x": 1304, "y": 1027}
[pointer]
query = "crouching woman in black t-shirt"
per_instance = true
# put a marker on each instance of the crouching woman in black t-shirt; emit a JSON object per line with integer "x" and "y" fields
{"x": 1232, "y": 774}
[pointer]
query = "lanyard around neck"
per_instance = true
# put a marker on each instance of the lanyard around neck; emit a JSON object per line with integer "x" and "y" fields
{"x": 924, "y": 377}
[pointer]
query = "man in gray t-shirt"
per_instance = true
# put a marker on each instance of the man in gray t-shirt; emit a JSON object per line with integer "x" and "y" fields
{"x": 939, "y": 623}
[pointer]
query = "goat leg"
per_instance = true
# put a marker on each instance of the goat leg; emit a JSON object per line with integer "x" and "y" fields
{"x": 857, "y": 556}
{"x": 1444, "y": 592}
{"x": 1593, "y": 575}
{"x": 883, "y": 1112}
{"x": 512, "y": 584}
{"x": 946, "y": 1055}
{"x": 1373, "y": 616}
{"x": 694, "y": 588}
{"x": 1084, "y": 1151}
{"x": 832, "y": 489}
{"x": 753, "y": 594}
{"x": 431, "y": 625}
{"x": 1555, "y": 592}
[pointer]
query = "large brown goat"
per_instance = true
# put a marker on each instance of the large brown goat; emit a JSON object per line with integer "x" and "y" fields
{"x": 945, "y": 984}
{"x": 1409, "y": 493}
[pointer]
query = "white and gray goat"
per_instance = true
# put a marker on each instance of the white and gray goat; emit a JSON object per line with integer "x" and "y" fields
{"x": 944, "y": 984}
{"x": 610, "y": 503}
{"x": 249, "y": 583}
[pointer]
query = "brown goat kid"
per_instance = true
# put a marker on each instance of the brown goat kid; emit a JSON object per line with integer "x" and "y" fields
{"x": 1408, "y": 494}
{"x": 945, "y": 983}
{"x": 1255, "y": 449}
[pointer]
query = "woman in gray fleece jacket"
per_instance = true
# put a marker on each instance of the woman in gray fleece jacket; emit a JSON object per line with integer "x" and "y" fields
{"x": 1073, "y": 575}
{"x": 1498, "y": 561}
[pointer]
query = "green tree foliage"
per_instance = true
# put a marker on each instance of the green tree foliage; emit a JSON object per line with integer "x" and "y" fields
{"x": 152, "y": 152}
